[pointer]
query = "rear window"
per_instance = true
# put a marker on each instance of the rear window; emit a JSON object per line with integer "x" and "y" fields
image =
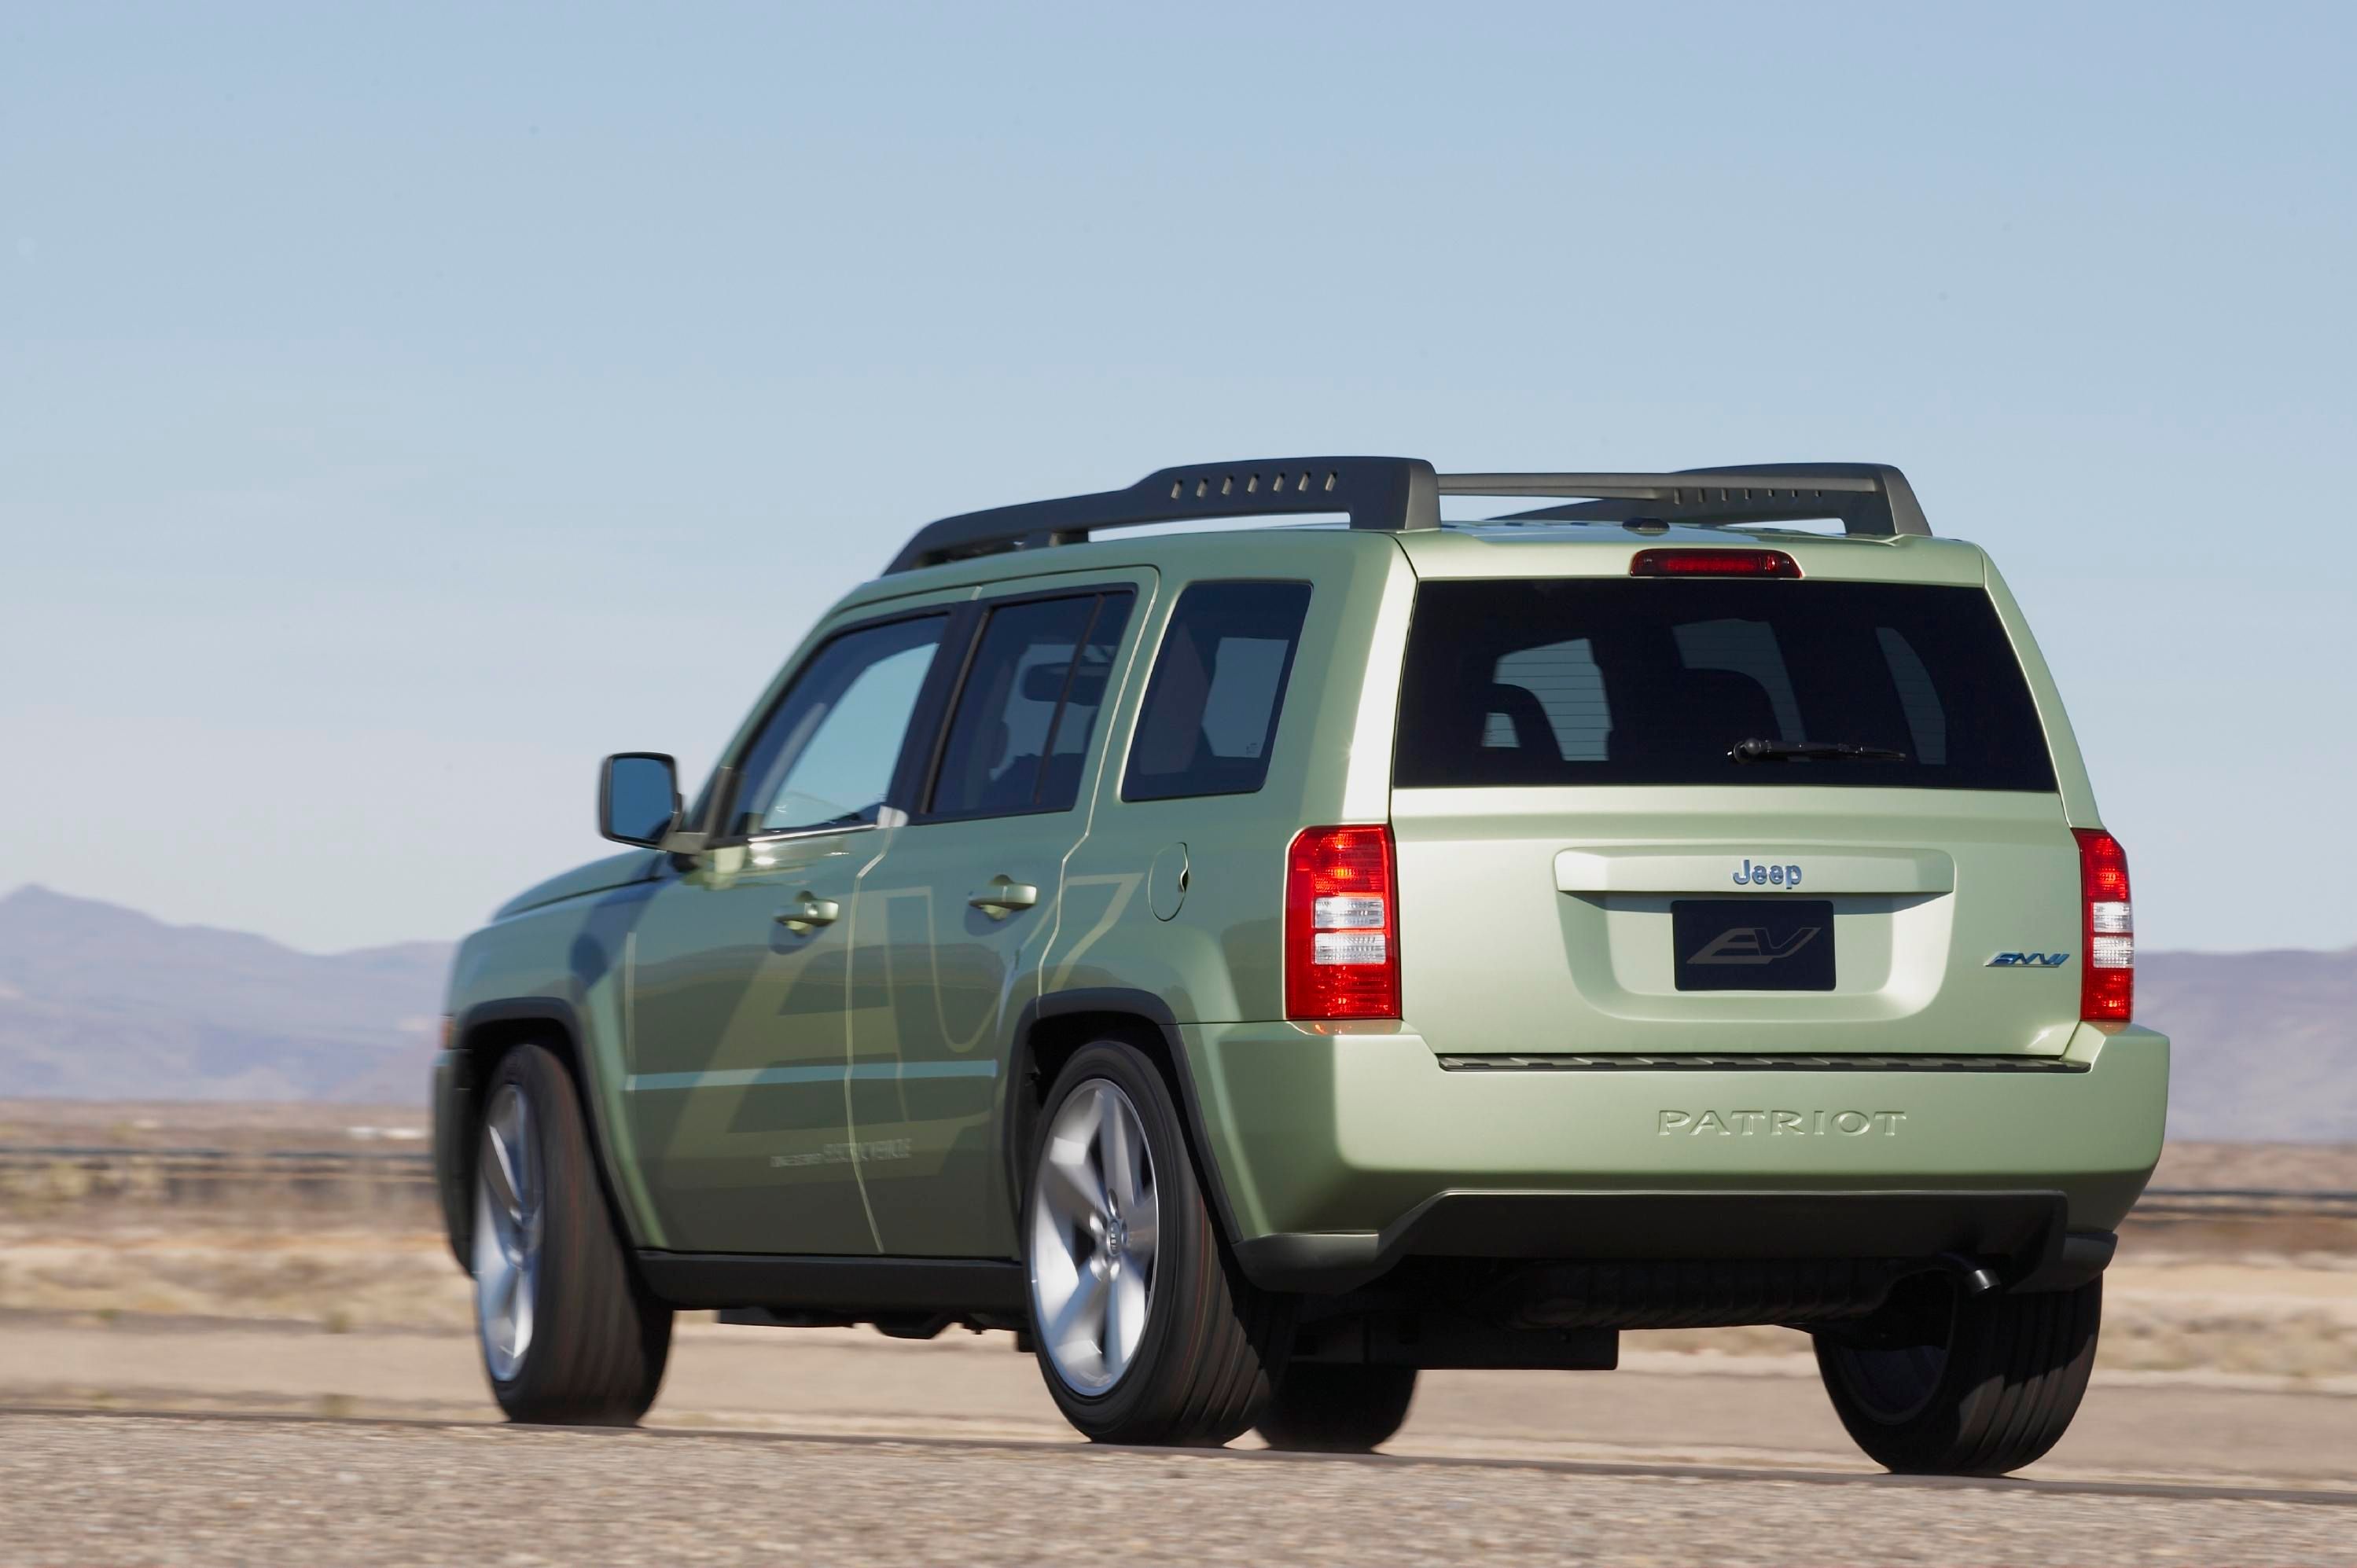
{"x": 1609, "y": 680}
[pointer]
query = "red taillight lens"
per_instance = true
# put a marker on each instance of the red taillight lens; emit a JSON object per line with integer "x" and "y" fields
{"x": 2107, "y": 930}
{"x": 1341, "y": 925}
{"x": 1713, "y": 563}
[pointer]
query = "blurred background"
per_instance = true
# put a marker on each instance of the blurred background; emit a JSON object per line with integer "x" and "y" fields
{"x": 402, "y": 408}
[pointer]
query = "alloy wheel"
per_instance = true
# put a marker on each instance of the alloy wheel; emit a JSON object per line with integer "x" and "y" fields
{"x": 508, "y": 1226}
{"x": 1095, "y": 1224}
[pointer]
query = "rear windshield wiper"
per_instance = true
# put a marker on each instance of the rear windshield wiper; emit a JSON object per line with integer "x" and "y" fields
{"x": 1758, "y": 750}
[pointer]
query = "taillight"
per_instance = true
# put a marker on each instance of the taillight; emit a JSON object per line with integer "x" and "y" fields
{"x": 2107, "y": 932}
{"x": 1341, "y": 925}
{"x": 1713, "y": 563}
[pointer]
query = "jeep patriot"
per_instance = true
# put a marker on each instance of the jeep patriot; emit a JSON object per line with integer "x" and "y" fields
{"x": 1256, "y": 964}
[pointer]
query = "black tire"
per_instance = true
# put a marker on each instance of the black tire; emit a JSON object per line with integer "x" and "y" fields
{"x": 598, "y": 1341}
{"x": 1208, "y": 1354}
{"x": 1993, "y": 1389}
{"x": 1337, "y": 1409}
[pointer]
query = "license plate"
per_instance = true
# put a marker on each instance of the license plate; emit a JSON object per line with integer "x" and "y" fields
{"x": 1753, "y": 944}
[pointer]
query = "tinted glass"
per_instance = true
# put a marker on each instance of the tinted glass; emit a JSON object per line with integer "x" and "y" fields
{"x": 1084, "y": 697}
{"x": 1019, "y": 736}
{"x": 826, "y": 756}
{"x": 1210, "y": 711}
{"x": 1598, "y": 681}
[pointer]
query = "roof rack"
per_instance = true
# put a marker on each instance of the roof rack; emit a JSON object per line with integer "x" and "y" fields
{"x": 1869, "y": 499}
{"x": 1402, "y": 494}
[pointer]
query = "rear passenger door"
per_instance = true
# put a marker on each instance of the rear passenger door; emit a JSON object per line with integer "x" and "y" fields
{"x": 1179, "y": 892}
{"x": 955, "y": 917}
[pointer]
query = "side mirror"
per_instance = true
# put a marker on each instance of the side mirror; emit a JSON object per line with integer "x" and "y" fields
{"x": 637, "y": 797}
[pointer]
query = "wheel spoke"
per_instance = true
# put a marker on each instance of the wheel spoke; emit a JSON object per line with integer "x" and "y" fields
{"x": 491, "y": 1269}
{"x": 499, "y": 1228}
{"x": 519, "y": 1312}
{"x": 1074, "y": 1194}
{"x": 1080, "y": 1326}
{"x": 1117, "y": 1146}
{"x": 1125, "y": 1317}
{"x": 499, "y": 1173}
{"x": 1142, "y": 1235}
{"x": 527, "y": 1171}
{"x": 1110, "y": 1337}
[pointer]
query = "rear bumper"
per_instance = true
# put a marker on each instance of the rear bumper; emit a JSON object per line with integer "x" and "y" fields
{"x": 2024, "y": 1238}
{"x": 1336, "y": 1156}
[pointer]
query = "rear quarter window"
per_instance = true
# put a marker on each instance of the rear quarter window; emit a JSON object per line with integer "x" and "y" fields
{"x": 1208, "y": 719}
{"x": 1611, "y": 680}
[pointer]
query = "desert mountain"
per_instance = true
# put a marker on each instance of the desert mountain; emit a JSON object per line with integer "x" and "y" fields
{"x": 100, "y": 1002}
{"x": 2265, "y": 1043}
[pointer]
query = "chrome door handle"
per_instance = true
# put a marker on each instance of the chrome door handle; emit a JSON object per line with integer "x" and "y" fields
{"x": 809, "y": 912}
{"x": 1003, "y": 896}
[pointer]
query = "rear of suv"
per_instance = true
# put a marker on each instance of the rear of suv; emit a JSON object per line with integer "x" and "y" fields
{"x": 1258, "y": 966}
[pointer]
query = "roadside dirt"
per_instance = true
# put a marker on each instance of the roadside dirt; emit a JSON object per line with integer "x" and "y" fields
{"x": 2270, "y": 1318}
{"x": 2271, "y": 1299}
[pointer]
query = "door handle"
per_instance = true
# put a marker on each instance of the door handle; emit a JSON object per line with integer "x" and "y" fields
{"x": 809, "y": 912}
{"x": 1003, "y": 896}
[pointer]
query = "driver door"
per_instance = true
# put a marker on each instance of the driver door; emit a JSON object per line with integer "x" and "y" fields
{"x": 740, "y": 970}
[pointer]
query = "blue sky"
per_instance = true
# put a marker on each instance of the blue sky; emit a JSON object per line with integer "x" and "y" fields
{"x": 401, "y": 407}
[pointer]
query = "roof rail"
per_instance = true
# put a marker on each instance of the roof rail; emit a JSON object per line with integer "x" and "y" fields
{"x": 1377, "y": 492}
{"x": 1397, "y": 494}
{"x": 1871, "y": 498}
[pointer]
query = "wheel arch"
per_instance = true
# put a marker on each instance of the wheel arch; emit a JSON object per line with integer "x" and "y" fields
{"x": 479, "y": 1038}
{"x": 1052, "y": 1028}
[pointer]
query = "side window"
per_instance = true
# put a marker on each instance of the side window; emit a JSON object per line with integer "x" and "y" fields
{"x": 825, "y": 757}
{"x": 1026, "y": 711}
{"x": 1084, "y": 696}
{"x": 1210, "y": 711}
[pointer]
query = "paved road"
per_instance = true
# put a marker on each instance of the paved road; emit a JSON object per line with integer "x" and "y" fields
{"x": 1659, "y": 1409}
{"x": 132, "y": 1490}
{"x": 775, "y": 1445}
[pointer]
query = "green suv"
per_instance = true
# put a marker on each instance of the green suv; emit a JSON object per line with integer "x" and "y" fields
{"x": 1255, "y": 964}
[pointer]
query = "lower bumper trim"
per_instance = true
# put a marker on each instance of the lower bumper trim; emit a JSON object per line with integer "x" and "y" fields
{"x": 1756, "y": 1061}
{"x": 2022, "y": 1235}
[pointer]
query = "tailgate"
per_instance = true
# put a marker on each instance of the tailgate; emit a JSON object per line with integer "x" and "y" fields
{"x": 1545, "y": 922}
{"x": 1797, "y": 815}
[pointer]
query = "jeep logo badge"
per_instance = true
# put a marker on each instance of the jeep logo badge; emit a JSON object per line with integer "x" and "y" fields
{"x": 1764, "y": 875}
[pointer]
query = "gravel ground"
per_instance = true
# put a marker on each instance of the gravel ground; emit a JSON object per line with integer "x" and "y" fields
{"x": 133, "y": 1490}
